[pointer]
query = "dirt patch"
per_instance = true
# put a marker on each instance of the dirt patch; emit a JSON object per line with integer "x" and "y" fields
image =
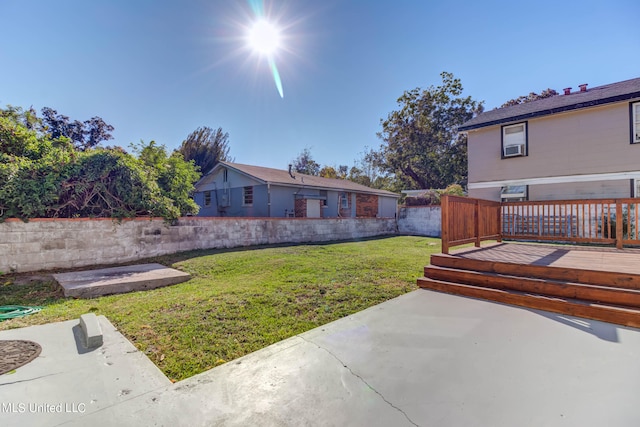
{"x": 30, "y": 280}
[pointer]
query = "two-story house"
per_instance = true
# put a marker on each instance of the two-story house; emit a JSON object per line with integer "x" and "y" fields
{"x": 580, "y": 145}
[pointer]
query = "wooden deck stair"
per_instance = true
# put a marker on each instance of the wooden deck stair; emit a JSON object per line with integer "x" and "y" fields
{"x": 600, "y": 295}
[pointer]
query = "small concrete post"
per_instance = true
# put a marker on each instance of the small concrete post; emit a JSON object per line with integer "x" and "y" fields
{"x": 91, "y": 330}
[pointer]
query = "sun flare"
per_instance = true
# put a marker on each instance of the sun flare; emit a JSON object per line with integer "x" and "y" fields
{"x": 264, "y": 37}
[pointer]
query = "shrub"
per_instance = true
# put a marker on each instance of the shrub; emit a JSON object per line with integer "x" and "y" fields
{"x": 49, "y": 178}
{"x": 428, "y": 198}
{"x": 453, "y": 190}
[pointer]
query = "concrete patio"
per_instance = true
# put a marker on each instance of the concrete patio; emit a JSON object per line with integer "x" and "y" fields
{"x": 425, "y": 358}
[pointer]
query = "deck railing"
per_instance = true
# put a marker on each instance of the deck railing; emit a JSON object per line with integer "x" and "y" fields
{"x": 466, "y": 220}
{"x": 600, "y": 221}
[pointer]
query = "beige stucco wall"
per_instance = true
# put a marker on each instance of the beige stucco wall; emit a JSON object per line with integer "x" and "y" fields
{"x": 587, "y": 141}
{"x": 619, "y": 188}
{"x": 581, "y": 190}
{"x": 485, "y": 193}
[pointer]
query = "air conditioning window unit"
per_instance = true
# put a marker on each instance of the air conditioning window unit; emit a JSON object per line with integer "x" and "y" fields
{"x": 514, "y": 150}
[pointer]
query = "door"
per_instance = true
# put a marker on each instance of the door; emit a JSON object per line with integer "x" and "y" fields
{"x": 313, "y": 208}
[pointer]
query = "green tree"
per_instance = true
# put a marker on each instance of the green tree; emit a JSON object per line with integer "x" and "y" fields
{"x": 547, "y": 93}
{"x": 328, "y": 172}
{"x": 83, "y": 135}
{"x": 421, "y": 145}
{"x": 206, "y": 147}
{"x": 51, "y": 178}
{"x": 305, "y": 164}
{"x": 175, "y": 176}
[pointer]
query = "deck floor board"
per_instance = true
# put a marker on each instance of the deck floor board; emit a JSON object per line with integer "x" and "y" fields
{"x": 625, "y": 261}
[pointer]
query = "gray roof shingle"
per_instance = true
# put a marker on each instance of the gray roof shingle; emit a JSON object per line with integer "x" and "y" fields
{"x": 282, "y": 177}
{"x": 605, "y": 94}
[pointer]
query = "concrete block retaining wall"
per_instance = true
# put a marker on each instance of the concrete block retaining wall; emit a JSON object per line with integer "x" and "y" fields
{"x": 45, "y": 244}
{"x": 420, "y": 221}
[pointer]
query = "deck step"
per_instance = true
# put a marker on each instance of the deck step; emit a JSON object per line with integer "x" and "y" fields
{"x": 554, "y": 288}
{"x": 573, "y": 275}
{"x": 607, "y": 313}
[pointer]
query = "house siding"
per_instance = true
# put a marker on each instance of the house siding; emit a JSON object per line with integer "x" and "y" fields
{"x": 593, "y": 140}
{"x": 485, "y": 193}
{"x": 587, "y": 141}
{"x": 581, "y": 190}
{"x": 280, "y": 201}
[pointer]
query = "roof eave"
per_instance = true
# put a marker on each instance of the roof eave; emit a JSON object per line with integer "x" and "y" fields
{"x": 320, "y": 187}
{"x": 550, "y": 111}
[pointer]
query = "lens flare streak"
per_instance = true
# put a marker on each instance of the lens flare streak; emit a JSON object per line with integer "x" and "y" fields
{"x": 276, "y": 77}
{"x": 258, "y": 9}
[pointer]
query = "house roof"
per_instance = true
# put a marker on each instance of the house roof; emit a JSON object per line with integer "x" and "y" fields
{"x": 282, "y": 177}
{"x": 606, "y": 94}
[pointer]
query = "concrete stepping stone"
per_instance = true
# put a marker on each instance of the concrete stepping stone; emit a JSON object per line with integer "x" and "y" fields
{"x": 118, "y": 280}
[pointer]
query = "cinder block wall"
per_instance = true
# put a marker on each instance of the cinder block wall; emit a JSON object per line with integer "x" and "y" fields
{"x": 44, "y": 244}
{"x": 420, "y": 221}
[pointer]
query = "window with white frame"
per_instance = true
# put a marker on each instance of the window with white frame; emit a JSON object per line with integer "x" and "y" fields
{"x": 514, "y": 140}
{"x": 514, "y": 193}
{"x": 247, "y": 196}
{"x": 635, "y": 123}
{"x": 344, "y": 200}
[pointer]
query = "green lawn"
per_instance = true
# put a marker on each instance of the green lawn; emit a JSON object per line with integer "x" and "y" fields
{"x": 239, "y": 301}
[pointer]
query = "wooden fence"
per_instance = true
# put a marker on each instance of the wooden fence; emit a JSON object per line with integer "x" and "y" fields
{"x": 466, "y": 220}
{"x": 600, "y": 221}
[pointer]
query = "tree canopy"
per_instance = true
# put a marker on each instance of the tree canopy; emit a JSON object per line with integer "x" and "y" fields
{"x": 206, "y": 147}
{"x": 547, "y": 93}
{"x": 51, "y": 177}
{"x": 364, "y": 170}
{"x": 83, "y": 135}
{"x": 421, "y": 144}
{"x": 305, "y": 164}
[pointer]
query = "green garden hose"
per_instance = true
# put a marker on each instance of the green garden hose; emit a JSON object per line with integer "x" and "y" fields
{"x": 13, "y": 311}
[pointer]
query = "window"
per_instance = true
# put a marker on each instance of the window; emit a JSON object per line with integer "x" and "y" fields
{"x": 514, "y": 140}
{"x": 513, "y": 193}
{"x": 247, "y": 197}
{"x": 225, "y": 175}
{"x": 635, "y": 122}
{"x": 207, "y": 198}
{"x": 323, "y": 198}
{"x": 344, "y": 200}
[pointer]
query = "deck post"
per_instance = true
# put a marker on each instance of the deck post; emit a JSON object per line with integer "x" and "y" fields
{"x": 476, "y": 222}
{"x": 444, "y": 223}
{"x": 500, "y": 222}
{"x": 619, "y": 223}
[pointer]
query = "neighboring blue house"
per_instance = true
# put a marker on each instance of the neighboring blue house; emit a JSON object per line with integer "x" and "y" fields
{"x": 232, "y": 189}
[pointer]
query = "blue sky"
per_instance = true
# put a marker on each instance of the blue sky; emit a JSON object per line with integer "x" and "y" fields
{"x": 156, "y": 70}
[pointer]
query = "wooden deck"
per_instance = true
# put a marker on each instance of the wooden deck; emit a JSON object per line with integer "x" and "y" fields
{"x": 559, "y": 256}
{"x": 596, "y": 283}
